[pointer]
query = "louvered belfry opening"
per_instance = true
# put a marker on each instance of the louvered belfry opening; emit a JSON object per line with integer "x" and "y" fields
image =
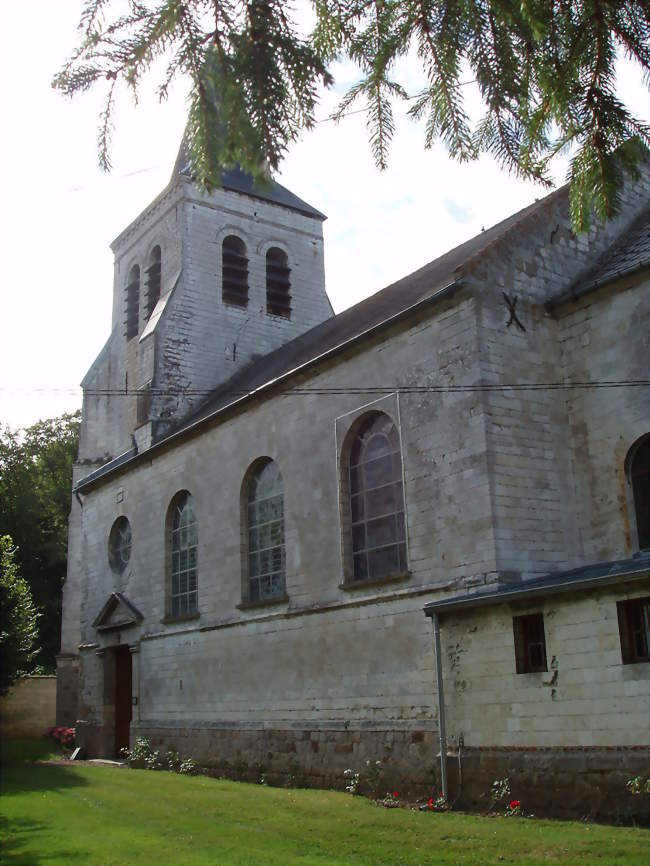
{"x": 278, "y": 285}
{"x": 153, "y": 279}
{"x": 133, "y": 303}
{"x": 235, "y": 272}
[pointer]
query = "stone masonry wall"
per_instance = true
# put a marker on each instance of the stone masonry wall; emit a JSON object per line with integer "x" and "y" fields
{"x": 538, "y": 501}
{"x": 587, "y": 698}
{"x": 596, "y": 334}
{"x": 29, "y": 708}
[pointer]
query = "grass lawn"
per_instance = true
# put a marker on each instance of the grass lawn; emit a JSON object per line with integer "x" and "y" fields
{"x": 104, "y": 816}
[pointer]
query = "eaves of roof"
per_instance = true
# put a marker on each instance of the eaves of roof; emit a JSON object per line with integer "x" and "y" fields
{"x": 575, "y": 580}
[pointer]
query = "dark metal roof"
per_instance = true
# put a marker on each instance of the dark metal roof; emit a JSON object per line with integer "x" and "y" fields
{"x": 239, "y": 181}
{"x": 576, "y": 579}
{"x": 628, "y": 254}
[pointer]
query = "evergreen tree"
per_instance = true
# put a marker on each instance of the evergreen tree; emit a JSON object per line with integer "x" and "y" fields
{"x": 545, "y": 70}
{"x": 18, "y": 616}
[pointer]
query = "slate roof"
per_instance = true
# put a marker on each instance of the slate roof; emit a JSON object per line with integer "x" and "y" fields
{"x": 239, "y": 181}
{"x": 576, "y": 579}
{"x": 425, "y": 286}
{"x": 628, "y": 254}
{"x": 428, "y": 285}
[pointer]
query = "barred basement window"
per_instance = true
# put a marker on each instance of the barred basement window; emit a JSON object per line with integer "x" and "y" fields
{"x": 530, "y": 643}
{"x": 377, "y": 501}
{"x": 278, "y": 296}
{"x": 119, "y": 545}
{"x": 184, "y": 556}
{"x": 634, "y": 629}
{"x": 234, "y": 264}
{"x": 639, "y": 474}
{"x": 133, "y": 303}
{"x": 265, "y": 513}
{"x": 153, "y": 279}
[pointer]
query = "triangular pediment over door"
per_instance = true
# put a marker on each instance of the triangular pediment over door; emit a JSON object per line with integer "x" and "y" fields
{"x": 117, "y": 613}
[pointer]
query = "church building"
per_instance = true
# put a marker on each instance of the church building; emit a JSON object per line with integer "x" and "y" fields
{"x": 415, "y": 533}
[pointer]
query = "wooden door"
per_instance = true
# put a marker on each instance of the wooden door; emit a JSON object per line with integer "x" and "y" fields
{"x": 123, "y": 691}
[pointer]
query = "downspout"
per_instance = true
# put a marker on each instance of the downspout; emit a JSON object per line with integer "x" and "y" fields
{"x": 441, "y": 705}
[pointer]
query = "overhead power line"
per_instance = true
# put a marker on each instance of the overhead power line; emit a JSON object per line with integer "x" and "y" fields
{"x": 324, "y": 391}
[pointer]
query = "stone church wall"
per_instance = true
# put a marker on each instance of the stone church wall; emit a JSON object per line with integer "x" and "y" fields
{"x": 568, "y": 738}
{"x": 332, "y": 655}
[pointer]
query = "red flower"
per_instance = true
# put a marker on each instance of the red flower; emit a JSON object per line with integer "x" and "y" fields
{"x": 396, "y": 794}
{"x": 515, "y": 804}
{"x": 430, "y": 802}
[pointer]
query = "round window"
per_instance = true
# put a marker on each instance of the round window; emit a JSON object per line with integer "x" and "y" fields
{"x": 119, "y": 545}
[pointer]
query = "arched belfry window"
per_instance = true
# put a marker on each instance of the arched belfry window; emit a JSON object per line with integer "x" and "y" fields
{"x": 377, "y": 529}
{"x": 133, "y": 303}
{"x": 234, "y": 264}
{"x": 278, "y": 286}
{"x": 183, "y": 547}
{"x": 639, "y": 474}
{"x": 265, "y": 530}
{"x": 153, "y": 279}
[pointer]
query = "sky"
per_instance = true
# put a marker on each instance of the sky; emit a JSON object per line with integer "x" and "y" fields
{"x": 60, "y": 212}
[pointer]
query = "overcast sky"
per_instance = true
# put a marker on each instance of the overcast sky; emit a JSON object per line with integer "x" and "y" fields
{"x": 60, "y": 212}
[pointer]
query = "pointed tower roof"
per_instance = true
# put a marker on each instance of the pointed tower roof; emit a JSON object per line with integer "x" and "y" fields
{"x": 240, "y": 181}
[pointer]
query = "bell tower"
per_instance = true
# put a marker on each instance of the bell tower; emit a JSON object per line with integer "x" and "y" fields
{"x": 204, "y": 284}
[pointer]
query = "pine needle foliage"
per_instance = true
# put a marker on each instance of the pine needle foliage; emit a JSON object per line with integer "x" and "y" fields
{"x": 545, "y": 70}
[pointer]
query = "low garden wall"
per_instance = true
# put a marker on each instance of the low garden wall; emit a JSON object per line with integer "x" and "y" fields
{"x": 29, "y": 708}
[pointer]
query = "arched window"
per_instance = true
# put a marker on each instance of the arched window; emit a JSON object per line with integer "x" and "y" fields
{"x": 235, "y": 271}
{"x": 133, "y": 303}
{"x": 183, "y": 531}
{"x": 153, "y": 279}
{"x": 265, "y": 525}
{"x": 639, "y": 474}
{"x": 278, "y": 297}
{"x": 119, "y": 545}
{"x": 377, "y": 530}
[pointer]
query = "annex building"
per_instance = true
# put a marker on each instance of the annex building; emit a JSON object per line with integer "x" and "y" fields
{"x": 419, "y": 528}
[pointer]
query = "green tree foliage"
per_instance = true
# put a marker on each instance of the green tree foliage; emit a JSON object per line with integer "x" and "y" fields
{"x": 18, "y": 619}
{"x": 35, "y": 483}
{"x": 545, "y": 70}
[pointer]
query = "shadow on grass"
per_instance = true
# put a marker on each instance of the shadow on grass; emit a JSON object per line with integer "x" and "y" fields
{"x": 21, "y": 771}
{"x": 16, "y": 833}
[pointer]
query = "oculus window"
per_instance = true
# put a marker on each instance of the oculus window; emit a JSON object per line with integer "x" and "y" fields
{"x": 119, "y": 545}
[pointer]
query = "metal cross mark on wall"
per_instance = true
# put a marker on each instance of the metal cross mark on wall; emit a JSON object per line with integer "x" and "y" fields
{"x": 511, "y": 304}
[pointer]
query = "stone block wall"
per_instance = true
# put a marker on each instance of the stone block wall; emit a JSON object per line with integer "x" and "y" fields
{"x": 29, "y": 708}
{"x": 587, "y": 698}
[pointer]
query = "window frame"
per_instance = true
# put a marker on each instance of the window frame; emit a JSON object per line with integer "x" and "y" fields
{"x": 256, "y": 597}
{"x": 173, "y": 612}
{"x": 234, "y": 292}
{"x": 120, "y": 524}
{"x": 278, "y": 282}
{"x": 153, "y": 274}
{"x": 351, "y": 578}
{"x": 626, "y": 611}
{"x": 132, "y": 302}
{"x": 638, "y": 506}
{"x": 526, "y": 630}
